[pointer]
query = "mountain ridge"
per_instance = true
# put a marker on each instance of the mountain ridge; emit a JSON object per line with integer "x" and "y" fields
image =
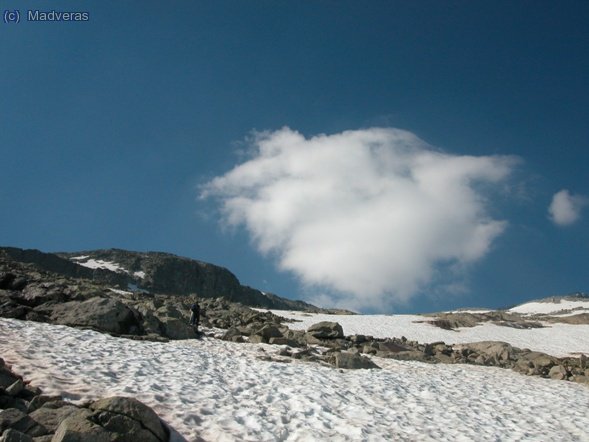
{"x": 157, "y": 272}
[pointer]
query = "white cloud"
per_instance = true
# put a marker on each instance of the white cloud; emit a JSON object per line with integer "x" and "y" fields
{"x": 565, "y": 209}
{"x": 367, "y": 215}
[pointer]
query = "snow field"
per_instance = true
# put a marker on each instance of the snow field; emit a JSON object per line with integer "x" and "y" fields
{"x": 222, "y": 391}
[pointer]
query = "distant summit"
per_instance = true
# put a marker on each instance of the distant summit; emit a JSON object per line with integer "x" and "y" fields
{"x": 156, "y": 272}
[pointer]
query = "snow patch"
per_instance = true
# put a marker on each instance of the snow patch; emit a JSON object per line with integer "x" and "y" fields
{"x": 100, "y": 264}
{"x": 546, "y": 308}
{"x": 140, "y": 274}
{"x": 120, "y": 292}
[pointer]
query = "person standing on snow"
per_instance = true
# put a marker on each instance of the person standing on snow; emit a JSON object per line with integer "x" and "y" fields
{"x": 195, "y": 315}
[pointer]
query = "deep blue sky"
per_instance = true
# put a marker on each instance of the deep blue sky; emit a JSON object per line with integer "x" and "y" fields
{"x": 108, "y": 127}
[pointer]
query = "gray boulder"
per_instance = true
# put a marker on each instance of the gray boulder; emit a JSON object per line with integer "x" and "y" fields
{"x": 105, "y": 314}
{"x": 498, "y": 352}
{"x": 178, "y": 329}
{"x": 269, "y": 331}
{"x": 115, "y": 419}
{"x": 11, "y": 435}
{"x": 15, "y": 388}
{"x": 80, "y": 428}
{"x": 38, "y": 294}
{"x": 49, "y": 418}
{"x": 326, "y": 330}
{"x": 351, "y": 361}
{"x": 132, "y": 409}
{"x": 392, "y": 347}
{"x": 15, "y": 419}
{"x": 558, "y": 372}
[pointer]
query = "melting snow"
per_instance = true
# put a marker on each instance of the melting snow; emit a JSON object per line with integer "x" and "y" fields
{"x": 121, "y": 292}
{"x": 140, "y": 274}
{"x": 100, "y": 264}
{"x": 222, "y": 391}
{"x": 546, "y": 308}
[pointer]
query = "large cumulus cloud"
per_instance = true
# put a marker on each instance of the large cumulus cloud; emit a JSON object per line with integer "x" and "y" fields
{"x": 367, "y": 216}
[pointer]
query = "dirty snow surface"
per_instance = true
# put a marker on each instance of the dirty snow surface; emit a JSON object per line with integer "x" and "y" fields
{"x": 220, "y": 391}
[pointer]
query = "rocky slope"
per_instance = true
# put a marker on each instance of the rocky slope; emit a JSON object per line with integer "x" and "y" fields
{"x": 153, "y": 272}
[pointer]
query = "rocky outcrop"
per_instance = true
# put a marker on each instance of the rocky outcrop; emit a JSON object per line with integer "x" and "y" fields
{"x": 104, "y": 314}
{"x": 27, "y": 415}
{"x": 164, "y": 273}
{"x": 59, "y": 265}
{"x": 352, "y": 361}
{"x": 326, "y": 330}
{"x": 452, "y": 321}
{"x": 156, "y": 272}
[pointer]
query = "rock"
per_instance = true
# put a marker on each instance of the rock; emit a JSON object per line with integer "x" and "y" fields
{"x": 523, "y": 366}
{"x": 15, "y": 419}
{"x": 49, "y": 418}
{"x": 501, "y": 352}
{"x": 80, "y": 428}
{"x": 151, "y": 324}
{"x": 256, "y": 339}
{"x": 326, "y": 330}
{"x": 370, "y": 348}
{"x": 178, "y": 329}
{"x": 36, "y": 295}
{"x": 13, "y": 402}
{"x": 409, "y": 355}
{"x": 12, "y": 309}
{"x": 557, "y": 372}
{"x": 352, "y": 361}
{"x": 30, "y": 392}
{"x": 11, "y": 435}
{"x": 15, "y": 388}
{"x": 269, "y": 331}
{"x": 40, "y": 400}
{"x": 279, "y": 341}
{"x": 583, "y": 361}
{"x": 103, "y": 314}
{"x": 360, "y": 339}
{"x": 231, "y": 333}
{"x": 582, "y": 379}
{"x": 19, "y": 283}
{"x": 541, "y": 360}
{"x": 391, "y": 347}
{"x": 6, "y": 280}
{"x": 135, "y": 410}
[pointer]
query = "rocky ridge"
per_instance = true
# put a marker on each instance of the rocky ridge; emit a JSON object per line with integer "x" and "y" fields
{"x": 153, "y": 272}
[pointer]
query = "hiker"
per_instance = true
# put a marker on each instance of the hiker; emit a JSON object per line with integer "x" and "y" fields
{"x": 195, "y": 316}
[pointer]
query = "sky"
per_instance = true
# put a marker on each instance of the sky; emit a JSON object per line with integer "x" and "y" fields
{"x": 385, "y": 156}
